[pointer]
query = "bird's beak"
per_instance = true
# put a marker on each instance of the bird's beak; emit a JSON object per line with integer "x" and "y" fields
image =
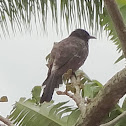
{"x": 92, "y": 37}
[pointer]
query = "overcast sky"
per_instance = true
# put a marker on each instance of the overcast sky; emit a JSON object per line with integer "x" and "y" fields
{"x": 22, "y": 63}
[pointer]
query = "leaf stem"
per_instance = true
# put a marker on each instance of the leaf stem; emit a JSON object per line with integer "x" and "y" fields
{"x": 6, "y": 121}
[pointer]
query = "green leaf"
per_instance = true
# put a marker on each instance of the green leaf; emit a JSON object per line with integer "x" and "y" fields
{"x": 53, "y": 110}
{"x": 122, "y": 122}
{"x": 28, "y": 109}
{"x": 91, "y": 89}
{"x": 36, "y": 93}
{"x": 73, "y": 117}
{"x": 120, "y": 58}
{"x": 106, "y": 22}
{"x": 124, "y": 105}
{"x": 121, "y": 3}
{"x": 48, "y": 57}
{"x": 97, "y": 83}
{"x": 123, "y": 12}
{"x": 28, "y": 113}
{"x": 87, "y": 91}
{"x": 77, "y": 13}
{"x": 116, "y": 111}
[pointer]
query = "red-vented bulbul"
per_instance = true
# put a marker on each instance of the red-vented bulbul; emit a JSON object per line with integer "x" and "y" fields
{"x": 70, "y": 53}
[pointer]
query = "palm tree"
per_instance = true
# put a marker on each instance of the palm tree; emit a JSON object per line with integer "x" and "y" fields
{"x": 91, "y": 15}
{"x": 88, "y": 14}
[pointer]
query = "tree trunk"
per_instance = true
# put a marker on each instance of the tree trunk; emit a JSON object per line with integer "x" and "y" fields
{"x": 105, "y": 100}
{"x": 116, "y": 86}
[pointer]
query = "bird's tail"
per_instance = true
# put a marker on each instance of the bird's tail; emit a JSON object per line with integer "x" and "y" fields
{"x": 51, "y": 83}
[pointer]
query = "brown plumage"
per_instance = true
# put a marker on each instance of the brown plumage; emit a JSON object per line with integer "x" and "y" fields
{"x": 69, "y": 53}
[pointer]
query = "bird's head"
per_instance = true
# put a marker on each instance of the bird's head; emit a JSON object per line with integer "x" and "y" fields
{"x": 82, "y": 34}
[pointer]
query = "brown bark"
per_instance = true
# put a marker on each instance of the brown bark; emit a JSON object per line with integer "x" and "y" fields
{"x": 105, "y": 100}
{"x": 116, "y": 86}
{"x": 6, "y": 121}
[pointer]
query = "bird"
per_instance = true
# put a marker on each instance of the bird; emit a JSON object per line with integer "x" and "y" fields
{"x": 70, "y": 53}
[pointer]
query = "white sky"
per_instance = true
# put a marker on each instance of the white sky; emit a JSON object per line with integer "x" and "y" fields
{"x": 22, "y": 64}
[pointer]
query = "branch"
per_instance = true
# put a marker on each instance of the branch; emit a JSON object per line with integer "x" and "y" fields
{"x": 76, "y": 99}
{"x": 116, "y": 86}
{"x": 6, "y": 121}
{"x": 114, "y": 121}
{"x": 117, "y": 19}
{"x": 105, "y": 100}
{"x": 80, "y": 102}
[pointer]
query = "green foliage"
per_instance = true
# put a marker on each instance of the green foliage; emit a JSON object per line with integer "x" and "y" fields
{"x": 91, "y": 89}
{"x": 29, "y": 112}
{"x": 26, "y": 112}
{"x": 116, "y": 111}
{"x": 120, "y": 58}
{"x": 107, "y": 24}
{"x": 124, "y": 105}
{"x": 78, "y": 13}
{"x": 36, "y": 94}
{"x": 81, "y": 13}
{"x": 72, "y": 119}
{"x": 88, "y": 14}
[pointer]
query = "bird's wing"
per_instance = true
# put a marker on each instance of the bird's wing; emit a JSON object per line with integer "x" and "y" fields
{"x": 67, "y": 51}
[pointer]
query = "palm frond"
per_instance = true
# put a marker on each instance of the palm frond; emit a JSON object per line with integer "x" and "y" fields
{"x": 64, "y": 14}
{"x": 26, "y": 112}
{"x": 78, "y": 13}
{"x": 107, "y": 24}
